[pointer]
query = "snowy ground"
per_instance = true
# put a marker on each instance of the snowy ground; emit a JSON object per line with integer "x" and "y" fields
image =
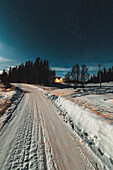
{"x": 28, "y": 141}
{"x": 90, "y": 113}
{"x": 5, "y": 98}
{"x": 9, "y": 99}
{"x": 35, "y": 137}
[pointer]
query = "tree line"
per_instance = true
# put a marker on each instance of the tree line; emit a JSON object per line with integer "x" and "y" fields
{"x": 33, "y": 73}
{"x": 77, "y": 75}
{"x": 106, "y": 76}
{"x": 80, "y": 75}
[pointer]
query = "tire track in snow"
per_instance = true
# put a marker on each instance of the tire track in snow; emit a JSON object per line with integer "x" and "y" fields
{"x": 38, "y": 135}
{"x": 21, "y": 127}
{"x": 21, "y": 141}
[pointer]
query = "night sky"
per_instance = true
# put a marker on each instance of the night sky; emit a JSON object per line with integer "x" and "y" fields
{"x": 65, "y": 32}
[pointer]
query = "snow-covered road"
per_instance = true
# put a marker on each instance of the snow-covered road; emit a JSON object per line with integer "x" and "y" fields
{"x": 37, "y": 138}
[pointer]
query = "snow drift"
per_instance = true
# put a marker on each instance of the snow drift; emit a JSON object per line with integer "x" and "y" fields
{"x": 15, "y": 98}
{"x": 95, "y": 130}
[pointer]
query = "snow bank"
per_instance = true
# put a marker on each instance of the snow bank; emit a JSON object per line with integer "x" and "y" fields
{"x": 95, "y": 131}
{"x": 14, "y": 97}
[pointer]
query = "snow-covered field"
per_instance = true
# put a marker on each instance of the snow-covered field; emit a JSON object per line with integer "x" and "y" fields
{"x": 89, "y": 111}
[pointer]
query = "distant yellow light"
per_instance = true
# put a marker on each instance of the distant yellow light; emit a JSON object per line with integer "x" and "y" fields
{"x": 59, "y": 80}
{"x": 56, "y": 80}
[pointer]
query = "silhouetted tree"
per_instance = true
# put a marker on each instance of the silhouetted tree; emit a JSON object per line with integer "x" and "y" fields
{"x": 77, "y": 72}
{"x": 52, "y": 76}
{"x": 106, "y": 76}
{"x": 73, "y": 76}
{"x": 35, "y": 73}
{"x": 5, "y": 78}
{"x": 67, "y": 77}
{"x": 84, "y": 74}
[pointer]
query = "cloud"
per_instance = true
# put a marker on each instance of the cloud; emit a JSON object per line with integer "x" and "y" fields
{"x": 11, "y": 66}
{"x": 6, "y": 52}
{"x": 1, "y": 71}
{"x": 93, "y": 68}
{"x": 3, "y": 59}
{"x": 62, "y": 69}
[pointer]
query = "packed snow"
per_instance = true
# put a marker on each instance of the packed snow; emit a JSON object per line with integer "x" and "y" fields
{"x": 23, "y": 143}
{"x": 89, "y": 111}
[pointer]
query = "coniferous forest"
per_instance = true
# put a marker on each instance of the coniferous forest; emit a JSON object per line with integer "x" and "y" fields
{"x": 37, "y": 72}
{"x": 106, "y": 76}
{"x": 80, "y": 75}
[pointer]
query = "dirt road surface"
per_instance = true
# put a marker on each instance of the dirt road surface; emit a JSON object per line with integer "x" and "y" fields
{"x": 37, "y": 138}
